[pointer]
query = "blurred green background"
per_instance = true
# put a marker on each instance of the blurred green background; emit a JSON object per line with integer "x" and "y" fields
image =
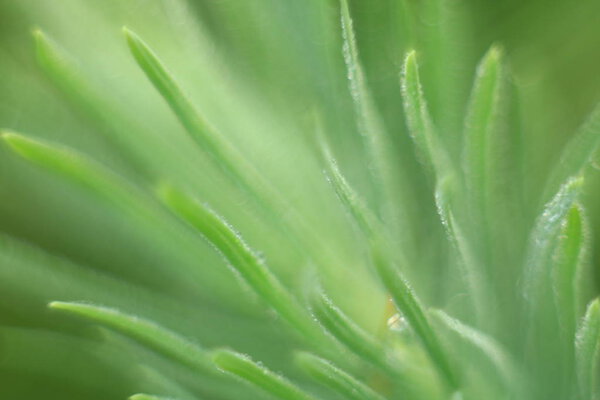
{"x": 262, "y": 71}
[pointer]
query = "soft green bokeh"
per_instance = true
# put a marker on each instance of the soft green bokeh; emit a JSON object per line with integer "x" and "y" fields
{"x": 270, "y": 76}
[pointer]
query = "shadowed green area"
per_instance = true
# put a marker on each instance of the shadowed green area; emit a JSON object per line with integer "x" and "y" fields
{"x": 432, "y": 166}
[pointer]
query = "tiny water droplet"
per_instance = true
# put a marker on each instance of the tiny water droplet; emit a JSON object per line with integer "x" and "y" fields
{"x": 397, "y": 323}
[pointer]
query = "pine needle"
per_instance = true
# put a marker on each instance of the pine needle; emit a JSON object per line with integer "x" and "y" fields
{"x": 587, "y": 352}
{"x": 420, "y": 124}
{"x": 145, "y": 332}
{"x": 142, "y": 396}
{"x": 330, "y": 376}
{"x": 351, "y": 335}
{"x": 257, "y": 375}
{"x": 481, "y": 142}
{"x": 241, "y": 258}
{"x": 568, "y": 256}
{"x": 542, "y": 240}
